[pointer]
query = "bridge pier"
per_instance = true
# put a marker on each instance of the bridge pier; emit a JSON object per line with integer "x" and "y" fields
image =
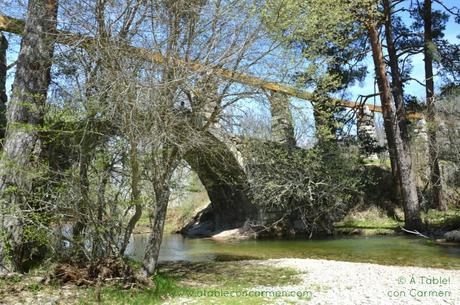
{"x": 282, "y": 130}
{"x": 324, "y": 110}
{"x": 367, "y": 133}
{"x": 420, "y": 149}
{"x": 421, "y": 133}
{"x": 227, "y": 187}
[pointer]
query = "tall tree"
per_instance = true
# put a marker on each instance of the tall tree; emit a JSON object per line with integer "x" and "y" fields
{"x": 394, "y": 135}
{"x": 3, "y": 96}
{"x": 25, "y": 116}
{"x": 397, "y": 86}
{"x": 334, "y": 59}
{"x": 428, "y": 50}
{"x": 205, "y": 31}
{"x": 423, "y": 36}
{"x": 344, "y": 24}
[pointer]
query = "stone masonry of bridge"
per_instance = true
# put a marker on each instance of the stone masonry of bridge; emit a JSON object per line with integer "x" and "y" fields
{"x": 222, "y": 170}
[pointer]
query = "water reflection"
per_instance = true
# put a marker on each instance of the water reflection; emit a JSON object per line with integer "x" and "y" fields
{"x": 173, "y": 248}
{"x": 396, "y": 250}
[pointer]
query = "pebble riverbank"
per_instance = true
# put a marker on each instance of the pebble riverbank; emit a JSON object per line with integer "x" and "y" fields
{"x": 318, "y": 282}
{"x": 346, "y": 283}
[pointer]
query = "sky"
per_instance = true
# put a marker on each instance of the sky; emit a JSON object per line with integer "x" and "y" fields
{"x": 367, "y": 87}
{"x": 304, "y": 109}
{"x": 452, "y": 33}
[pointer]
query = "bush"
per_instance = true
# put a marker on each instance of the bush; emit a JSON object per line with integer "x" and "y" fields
{"x": 313, "y": 188}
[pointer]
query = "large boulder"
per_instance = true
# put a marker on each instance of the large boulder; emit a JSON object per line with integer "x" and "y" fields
{"x": 452, "y": 236}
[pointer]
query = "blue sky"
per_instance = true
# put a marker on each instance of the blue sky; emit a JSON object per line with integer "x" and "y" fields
{"x": 418, "y": 72}
{"x": 451, "y": 34}
{"x": 367, "y": 87}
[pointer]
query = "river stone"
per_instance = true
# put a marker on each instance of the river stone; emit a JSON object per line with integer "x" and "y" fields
{"x": 239, "y": 234}
{"x": 452, "y": 236}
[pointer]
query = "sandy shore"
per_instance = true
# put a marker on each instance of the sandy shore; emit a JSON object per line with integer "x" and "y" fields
{"x": 337, "y": 282}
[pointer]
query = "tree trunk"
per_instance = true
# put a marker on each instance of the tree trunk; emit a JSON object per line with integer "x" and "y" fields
{"x": 435, "y": 172}
{"x": 135, "y": 196}
{"x": 3, "y": 101}
{"x": 398, "y": 93}
{"x": 397, "y": 84}
{"x": 163, "y": 175}
{"x": 25, "y": 115}
{"x": 157, "y": 221}
{"x": 83, "y": 202}
{"x": 3, "y": 96}
{"x": 394, "y": 137}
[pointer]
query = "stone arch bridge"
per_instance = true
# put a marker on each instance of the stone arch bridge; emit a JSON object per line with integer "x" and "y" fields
{"x": 220, "y": 169}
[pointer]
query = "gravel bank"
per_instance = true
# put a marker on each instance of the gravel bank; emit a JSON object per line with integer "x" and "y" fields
{"x": 321, "y": 282}
{"x": 337, "y": 283}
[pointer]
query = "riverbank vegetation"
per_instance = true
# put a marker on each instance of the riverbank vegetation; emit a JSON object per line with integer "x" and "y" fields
{"x": 279, "y": 118}
{"x": 174, "y": 281}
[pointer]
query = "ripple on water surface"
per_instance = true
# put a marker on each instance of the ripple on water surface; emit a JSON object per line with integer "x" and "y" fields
{"x": 389, "y": 250}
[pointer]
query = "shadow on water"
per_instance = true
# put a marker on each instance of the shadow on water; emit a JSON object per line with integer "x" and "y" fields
{"x": 389, "y": 250}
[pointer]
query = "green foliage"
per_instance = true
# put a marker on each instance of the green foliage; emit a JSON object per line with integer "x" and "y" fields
{"x": 316, "y": 186}
{"x": 180, "y": 215}
{"x": 37, "y": 229}
{"x": 318, "y": 23}
{"x": 34, "y": 287}
{"x": 330, "y": 35}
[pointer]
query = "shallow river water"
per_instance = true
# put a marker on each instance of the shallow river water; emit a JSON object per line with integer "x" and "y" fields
{"x": 391, "y": 250}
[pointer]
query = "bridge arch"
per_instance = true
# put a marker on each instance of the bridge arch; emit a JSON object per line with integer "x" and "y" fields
{"x": 226, "y": 183}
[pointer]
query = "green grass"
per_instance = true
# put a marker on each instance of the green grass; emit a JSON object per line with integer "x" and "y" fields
{"x": 193, "y": 280}
{"x": 230, "y": 274}
{"x": 383, "y": 223}
{"x": 442, "y": 220}
{"x": 372, "y": 221}
{"x": 117, "y": 295}
{"x": 377, "y": 222}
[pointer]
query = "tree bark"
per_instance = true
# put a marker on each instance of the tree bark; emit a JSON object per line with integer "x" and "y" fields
{"x": 135, "y": 196}
{"x": 3, "y": 96}
{"x": 83, "y": 203}
{"x": 163, "y": 175}
{"x": 435, "y": 172}
{"x": 398, "y": 93}
{"x": 25, "y": 114}
{"x": 394, "y": 137}
{"x": 397, "y": 84}
{"x": 157, "y": 221}
{"x": 3, "y": 101}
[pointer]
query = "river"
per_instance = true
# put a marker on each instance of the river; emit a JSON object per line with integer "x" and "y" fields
{"x": 387, "y": 250}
